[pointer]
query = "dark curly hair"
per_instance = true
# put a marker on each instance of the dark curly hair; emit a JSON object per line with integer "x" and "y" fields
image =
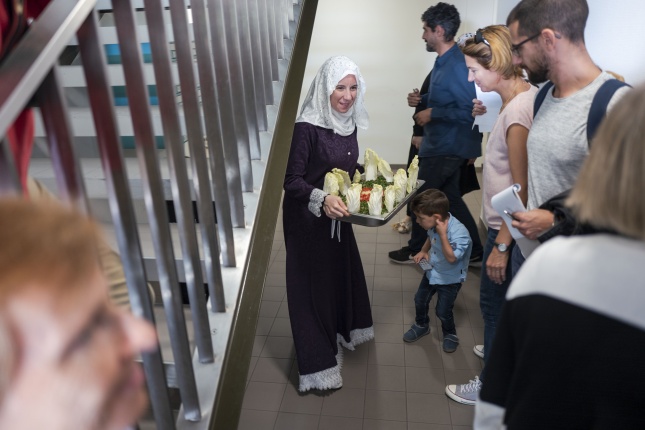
{"x": 568, "y": 17}
{"x": 445, "y": 15}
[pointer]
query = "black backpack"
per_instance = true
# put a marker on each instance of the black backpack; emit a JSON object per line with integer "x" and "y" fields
{"x": 565, "y": 223}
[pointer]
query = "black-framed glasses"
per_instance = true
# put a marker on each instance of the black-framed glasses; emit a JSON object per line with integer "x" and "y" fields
{"x": 515, "y": 49}
{"x": 479, "y": 38}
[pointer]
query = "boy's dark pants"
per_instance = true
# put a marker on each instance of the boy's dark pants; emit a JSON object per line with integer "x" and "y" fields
{"x": 446, "y": 296}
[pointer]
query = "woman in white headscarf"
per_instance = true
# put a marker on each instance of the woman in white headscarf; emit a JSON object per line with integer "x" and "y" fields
{"x": 326, "y": 288}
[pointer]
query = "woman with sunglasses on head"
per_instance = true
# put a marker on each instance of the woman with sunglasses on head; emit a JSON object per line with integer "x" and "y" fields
{"x": 490, "y": 65}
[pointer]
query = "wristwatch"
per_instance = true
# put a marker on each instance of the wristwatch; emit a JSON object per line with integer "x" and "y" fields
{"x": 501, "y": 247}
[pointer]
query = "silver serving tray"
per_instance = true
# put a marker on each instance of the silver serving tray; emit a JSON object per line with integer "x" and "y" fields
{"x": 377, "y": 221}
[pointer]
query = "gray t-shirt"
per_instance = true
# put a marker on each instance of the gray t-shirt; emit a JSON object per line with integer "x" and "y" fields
{"x": 557, "y": 143}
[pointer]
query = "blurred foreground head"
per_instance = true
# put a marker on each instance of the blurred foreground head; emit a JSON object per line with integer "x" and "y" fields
{"x": 66, "y": 353}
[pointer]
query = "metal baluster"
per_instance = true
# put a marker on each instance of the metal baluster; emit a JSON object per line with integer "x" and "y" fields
{"x": 107, "y": 135}
{"x": 273, "y": 39}
{"x": 265, "y": 48}
{"x": 239, "y": 52}
{"x": 198, "y": 158}
{"x": 287, "y": 15}
{"x": 10, "y": 185}
{"x": 179, "y": 177}
{"x": 232, "y": 156}
{"x": 252, "y": 28}
{"x": 245, "y": 125}
{"x": 53, "y": 109}
{"x": 278, "y": 9}
{"x": 254, "y": 104}
{"x": 146, "y": 153}
{"x": 213, "y": 127}
{"x": 292, "y": 17}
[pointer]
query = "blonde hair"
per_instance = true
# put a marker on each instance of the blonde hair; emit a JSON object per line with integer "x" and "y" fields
{"x": 618, "y": 76}
{"x": 43, "y": 246}
{"x": 609, "y": 191}
{"x": 496, "y": 55}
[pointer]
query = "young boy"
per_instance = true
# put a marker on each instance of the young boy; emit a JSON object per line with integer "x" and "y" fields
{"x": 447, "y": 249}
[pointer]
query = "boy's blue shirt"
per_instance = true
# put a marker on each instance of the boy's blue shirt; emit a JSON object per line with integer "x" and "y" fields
{"x": 443, "y": 272}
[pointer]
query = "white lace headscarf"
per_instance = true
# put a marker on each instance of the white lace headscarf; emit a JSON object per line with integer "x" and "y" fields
{"x": 317, "y": 110}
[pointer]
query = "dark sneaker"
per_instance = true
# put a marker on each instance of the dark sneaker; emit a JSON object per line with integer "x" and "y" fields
{"x": 415, "y": 333}
{"x": 465, "y": 393}
{"x": 402, "y": 256}
{"x": 450, "y": 343}
{"x": 476, "y": 260}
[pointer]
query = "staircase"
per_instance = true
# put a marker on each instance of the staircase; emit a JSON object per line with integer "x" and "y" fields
{"x": 170, "y": 123}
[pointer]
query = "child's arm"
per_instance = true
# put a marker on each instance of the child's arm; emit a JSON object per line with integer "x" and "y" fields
{"x": 423, "y": 254}
{"x": 442, "y": 230}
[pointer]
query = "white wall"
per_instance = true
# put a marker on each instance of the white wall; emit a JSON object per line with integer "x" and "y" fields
{"x": 612, "y": 35}
{"x": 384, "y": 39}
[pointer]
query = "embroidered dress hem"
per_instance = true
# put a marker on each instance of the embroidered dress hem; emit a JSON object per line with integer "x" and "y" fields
{"x": 357, "y": 336}
{"x": 328, "y": 379}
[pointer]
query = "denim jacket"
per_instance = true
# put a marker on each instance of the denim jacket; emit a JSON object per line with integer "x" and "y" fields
{"x": 443, "y": 272}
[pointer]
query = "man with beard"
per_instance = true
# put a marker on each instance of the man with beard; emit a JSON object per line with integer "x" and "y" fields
{"x": 66, "y": 352}
{"x": 548, "y": 42}
{"x": 449, "y": 140}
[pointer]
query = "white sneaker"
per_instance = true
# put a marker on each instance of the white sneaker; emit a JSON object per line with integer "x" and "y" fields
{"x": 465, "y": 393}
{"x": 479, "y": 350}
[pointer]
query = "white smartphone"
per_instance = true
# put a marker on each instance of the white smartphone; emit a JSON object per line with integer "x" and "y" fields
{"x": 425, "y": 265}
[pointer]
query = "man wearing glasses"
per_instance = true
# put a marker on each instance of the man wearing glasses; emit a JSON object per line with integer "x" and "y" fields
{"x": 548, "y": 42}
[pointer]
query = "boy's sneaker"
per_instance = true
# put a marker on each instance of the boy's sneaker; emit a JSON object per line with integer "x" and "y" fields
{"x": 402, "y": 256}
{"x": 479, "y": 350}
{"x": 465, "y": 393}
{"x": 476, "y": 260}
{"x": 415, "y": 333}
{"x": 450, "y": 343}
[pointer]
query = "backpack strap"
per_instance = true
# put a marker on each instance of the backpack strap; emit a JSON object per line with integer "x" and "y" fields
{"x": 540, "y": 96}
{"x": 599, "y": 105}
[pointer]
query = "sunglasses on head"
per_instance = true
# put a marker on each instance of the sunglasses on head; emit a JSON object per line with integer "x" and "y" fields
{"x": 479, "y": 37}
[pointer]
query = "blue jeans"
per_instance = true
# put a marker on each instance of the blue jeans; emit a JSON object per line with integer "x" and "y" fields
{"x": 517, "y": 259}
{"x": 492, "y": 296}
{"x": 443, "y": 173}
{"x": 446, "y": 296}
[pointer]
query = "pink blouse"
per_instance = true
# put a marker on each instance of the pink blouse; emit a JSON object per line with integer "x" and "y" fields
{"x": 497, "y": 171}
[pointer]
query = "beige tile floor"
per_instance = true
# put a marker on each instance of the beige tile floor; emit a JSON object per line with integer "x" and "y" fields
{"x": 387, "y": 384}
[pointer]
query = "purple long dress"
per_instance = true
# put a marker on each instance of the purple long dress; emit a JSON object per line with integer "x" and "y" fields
{"x": 326, "y": 288}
